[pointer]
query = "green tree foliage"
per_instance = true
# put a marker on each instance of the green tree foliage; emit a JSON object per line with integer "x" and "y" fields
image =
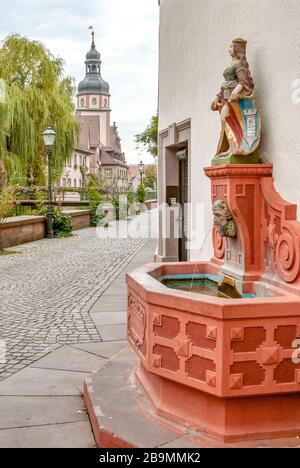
{"x": 36, "y": 95}
{"x": 150, "y": 178}
{"x": 148, "y": 139}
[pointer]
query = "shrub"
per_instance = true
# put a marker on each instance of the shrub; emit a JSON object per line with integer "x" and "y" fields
{"x": 141, "y": 195}
{"x": 95, "y": 198}
{"x": 62, "y": 225}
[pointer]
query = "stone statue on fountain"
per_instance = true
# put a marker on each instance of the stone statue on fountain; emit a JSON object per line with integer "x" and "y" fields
{"x": 240, "y": 118}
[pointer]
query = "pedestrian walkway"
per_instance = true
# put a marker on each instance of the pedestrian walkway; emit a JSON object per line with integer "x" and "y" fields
{"x": 47, "y": 291}
{"x": 41, "y": 405}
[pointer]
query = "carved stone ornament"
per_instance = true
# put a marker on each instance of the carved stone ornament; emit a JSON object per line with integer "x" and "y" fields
{"x": 136, "y": 320}
{"x": 223, "y": 220}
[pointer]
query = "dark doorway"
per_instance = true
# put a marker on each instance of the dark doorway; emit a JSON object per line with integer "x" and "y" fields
{"x": 182, "y": 157}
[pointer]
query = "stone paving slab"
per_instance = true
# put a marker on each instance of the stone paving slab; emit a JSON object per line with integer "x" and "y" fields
{"x": 107, "y": 306}
{"x": 180, "y": 442}
{"x": 32, "y": 381}
{"x": 112, "y": 332}
{"x": 70, "y": 359}
{"x": 121, "y": 291}
{"x": 20, "y": 411}
{"x": 106, "y": 349}
{"x": 72, "y": 435}
{"x": 110, "y": 300}
{"x": 108, "y": 318}
{"x": 114, "y": 407}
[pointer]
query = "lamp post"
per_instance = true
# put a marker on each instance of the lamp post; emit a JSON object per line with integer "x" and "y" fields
{"x": 141, "y": 168}
{"x": 49, "y": 139}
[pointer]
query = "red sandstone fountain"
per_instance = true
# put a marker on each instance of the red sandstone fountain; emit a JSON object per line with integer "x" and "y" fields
{"x": 220, "y": 364}
{"x": 224, "y": 364}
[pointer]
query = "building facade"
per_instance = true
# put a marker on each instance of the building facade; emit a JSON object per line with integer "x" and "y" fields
{"x": 99, "y": 149}
{"x": 195, "y": 36}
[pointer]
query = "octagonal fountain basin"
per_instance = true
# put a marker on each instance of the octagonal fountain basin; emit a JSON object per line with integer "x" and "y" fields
{"x": 199, "y": 349}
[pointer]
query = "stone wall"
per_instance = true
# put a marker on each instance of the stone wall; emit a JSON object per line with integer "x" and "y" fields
{"x": 80, "y": 219}
{"x": 22, "y": 229}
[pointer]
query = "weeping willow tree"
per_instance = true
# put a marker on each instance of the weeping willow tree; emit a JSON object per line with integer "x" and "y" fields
{"x": 34, "y": 95}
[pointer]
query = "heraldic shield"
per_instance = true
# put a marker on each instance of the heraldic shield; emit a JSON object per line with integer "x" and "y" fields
{"x": 241, "y": 132}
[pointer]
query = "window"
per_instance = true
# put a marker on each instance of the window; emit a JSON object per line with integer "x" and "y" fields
{"x": 75, "y": 159}
{"x": 94, "y": 101}
{"x": 75, "y": 183}
{"x": 69, "y": 183}
{"x": 82, "y": 102}
{"x": 108, "y": 173}
{"x": 64, "y": 182}
{"x": 80, "y": 183}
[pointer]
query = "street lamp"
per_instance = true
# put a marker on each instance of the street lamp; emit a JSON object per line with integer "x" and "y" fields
{"x": 141, "y": 168}
{"x": 49, "y": 140}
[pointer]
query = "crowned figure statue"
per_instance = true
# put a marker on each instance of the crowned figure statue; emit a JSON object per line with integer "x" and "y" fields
{"x": 240, "y": 119}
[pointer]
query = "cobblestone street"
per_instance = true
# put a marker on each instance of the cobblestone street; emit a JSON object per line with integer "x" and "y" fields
{"x": 48, "y": 290}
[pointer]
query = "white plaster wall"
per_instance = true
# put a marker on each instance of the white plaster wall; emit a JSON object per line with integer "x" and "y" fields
{"x": 194, "y": 40}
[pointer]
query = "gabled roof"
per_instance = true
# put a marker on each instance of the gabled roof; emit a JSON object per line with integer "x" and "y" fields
{"x": 82, "y": 149}
{"x": 108, "y": 160}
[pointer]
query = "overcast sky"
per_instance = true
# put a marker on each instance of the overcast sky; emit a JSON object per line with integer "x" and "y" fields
{"x": 126, "y": 37}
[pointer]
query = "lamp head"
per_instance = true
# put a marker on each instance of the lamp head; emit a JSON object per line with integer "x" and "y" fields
{"x": 49, "y": 137}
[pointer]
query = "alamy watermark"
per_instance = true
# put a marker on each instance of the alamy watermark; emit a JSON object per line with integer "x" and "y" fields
{"x": 167, "y": 221}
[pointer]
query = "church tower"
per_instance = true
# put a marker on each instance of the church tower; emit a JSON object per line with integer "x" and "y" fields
{"x": 93, "y": 98}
